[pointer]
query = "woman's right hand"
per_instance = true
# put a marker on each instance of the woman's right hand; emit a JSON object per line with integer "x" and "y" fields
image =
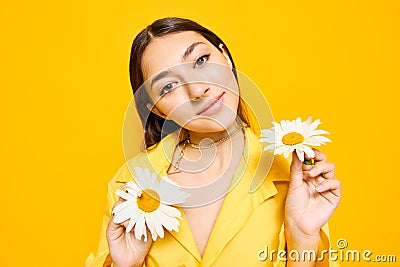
{"x": 125, "y": 249}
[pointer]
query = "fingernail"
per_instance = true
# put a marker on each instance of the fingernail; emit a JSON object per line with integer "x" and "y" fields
{"x": 319, "y": 187}
{"x": 313, "y": 171}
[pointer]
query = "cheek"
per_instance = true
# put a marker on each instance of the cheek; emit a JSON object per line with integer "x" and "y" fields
{"x": 232, "y": 101}
{"x": 175, "y": 107}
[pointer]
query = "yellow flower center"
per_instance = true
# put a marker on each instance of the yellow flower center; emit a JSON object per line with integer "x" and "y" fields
{"x": 149, "y": 200}
{"x": 292, "y": 138}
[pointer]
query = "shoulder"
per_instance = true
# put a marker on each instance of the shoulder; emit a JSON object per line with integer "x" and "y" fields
{"x": 126, "y": 171}
{"x": 278, "y": 167}
{"x": 156, "y": 159}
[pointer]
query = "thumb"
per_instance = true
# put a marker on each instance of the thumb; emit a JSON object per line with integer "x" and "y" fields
{"x": 114, "y": 230}
{"x": 296, "y": 171}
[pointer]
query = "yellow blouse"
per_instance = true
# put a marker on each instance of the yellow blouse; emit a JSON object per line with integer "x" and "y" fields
{"x": 249, "y": 225}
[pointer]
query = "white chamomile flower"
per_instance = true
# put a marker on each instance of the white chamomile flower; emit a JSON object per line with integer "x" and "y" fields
{"x": 294, "y": 135}
{"x": 147, "y": 204}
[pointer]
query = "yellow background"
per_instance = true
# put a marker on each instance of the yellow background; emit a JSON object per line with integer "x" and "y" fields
{"x": 65, "y": 88}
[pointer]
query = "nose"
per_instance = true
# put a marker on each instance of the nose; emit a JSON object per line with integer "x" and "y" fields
{"x": 197, "y": 90}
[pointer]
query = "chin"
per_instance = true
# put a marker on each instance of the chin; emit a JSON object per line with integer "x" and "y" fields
{"x": 210, "y": 124}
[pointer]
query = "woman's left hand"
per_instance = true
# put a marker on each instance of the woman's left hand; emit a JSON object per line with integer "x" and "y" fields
{"x": 313, "y": 194}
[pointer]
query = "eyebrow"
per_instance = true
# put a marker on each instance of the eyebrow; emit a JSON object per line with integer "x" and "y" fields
{"x": 188, "y": 51}
{"x": 159, "y": 77}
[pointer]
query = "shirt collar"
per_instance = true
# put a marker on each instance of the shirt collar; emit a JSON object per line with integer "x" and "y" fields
{"x": 261, "y": 165}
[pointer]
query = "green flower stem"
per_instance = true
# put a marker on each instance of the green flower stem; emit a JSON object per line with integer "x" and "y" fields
{"x": 309, "y": 162}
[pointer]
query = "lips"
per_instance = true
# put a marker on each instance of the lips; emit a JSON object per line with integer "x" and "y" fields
{"x": 213, "y": 106}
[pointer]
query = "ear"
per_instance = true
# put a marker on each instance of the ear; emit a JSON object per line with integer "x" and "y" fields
{"x": 155, "y": 110}
{"x": 225, "y": 53}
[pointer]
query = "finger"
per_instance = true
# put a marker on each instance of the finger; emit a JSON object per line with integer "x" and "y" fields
{"x": 114, "y": 230}
{"x": 314, "y": 180}
{"x": 332, "y": 185}
{"x": 114, "y": 211}
{"x": 319, "y": 156}
{"x": 307, "y": 167}
{"x": 307, "y": 157}
{"x": 326, "y": 169}
{"x": 296, "y": 172}
{"x": 119, "y": 201}
{"x": 116, "y": 204}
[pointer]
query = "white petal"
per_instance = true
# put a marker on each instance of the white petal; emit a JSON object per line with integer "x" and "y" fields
{"x": 298, "y": 122}
{"x": 151, "y": 225}
{"x": 153, "y": 181}
{"x": 319, "y": 138}
{"x": 315, "y": 124}
{"x": 170, "y": 181}
{"x": 303, "y": 128}
{"x": 300, "y": 154}
{"x": 122, "y": 206}
{"x": 318, "y": 132}
{"x": 310, "y": 127}
{"x": 280, "y": 150}
{"x": 139, "y": 172}
{"x": 311, "y": 143}
{"x": 171, "y": 194}
{"x": 147, "y": 173}
{"x": 277, "y": 129}
{"x": 269, "y": 147}
{"x": 293, "y": 124}
{"x": 170, "y": 223}
{"x": 267, "y": 133}
{"x": 134, "y": 193}
{"x": 286, "y": 126}
{"x": 266, "y": 140}
{"x": 140, "y": 228}
{"x": 125, "y": 195}
{"x": 158, "y": 223}
{"x": 132, "y": 186}
{"x": 133, "y": 189}
{"x": 289, "y": 149}
{"x": 171, "y": 211}
{"x": 141, "y": 179}
{"x": 125, "y": 214}
{"x": 286, "y": 152}
{"x": 309, "y": 152}
{"x": 132, "y": 222}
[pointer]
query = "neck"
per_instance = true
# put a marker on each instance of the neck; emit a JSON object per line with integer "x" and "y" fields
{"x": 213, "y": 159}
{"x": 209, "y": 138}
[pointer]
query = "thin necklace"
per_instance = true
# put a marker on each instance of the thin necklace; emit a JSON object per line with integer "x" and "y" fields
{"x": 176, "y": 165}
{"x": 214, "y": 144}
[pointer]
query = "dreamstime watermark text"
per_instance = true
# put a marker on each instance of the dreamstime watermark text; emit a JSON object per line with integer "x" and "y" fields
{"x": 342, "y": 254}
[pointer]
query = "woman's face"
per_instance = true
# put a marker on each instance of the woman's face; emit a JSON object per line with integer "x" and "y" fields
{"x": 190, "y": 82}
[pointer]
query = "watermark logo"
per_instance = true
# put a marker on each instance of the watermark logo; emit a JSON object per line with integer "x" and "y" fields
{"x": 342, "y": 254}
{"x": 341, "y": 243}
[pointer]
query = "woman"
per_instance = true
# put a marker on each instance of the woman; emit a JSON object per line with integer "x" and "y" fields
{"x": 288, "y": 212}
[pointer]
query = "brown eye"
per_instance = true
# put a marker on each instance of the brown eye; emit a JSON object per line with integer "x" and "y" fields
{"x": 201, "y": 60}
{"x": 168, "y": 87}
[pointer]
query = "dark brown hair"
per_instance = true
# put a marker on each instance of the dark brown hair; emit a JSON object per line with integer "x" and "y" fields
{"x": 155, "y": 127}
